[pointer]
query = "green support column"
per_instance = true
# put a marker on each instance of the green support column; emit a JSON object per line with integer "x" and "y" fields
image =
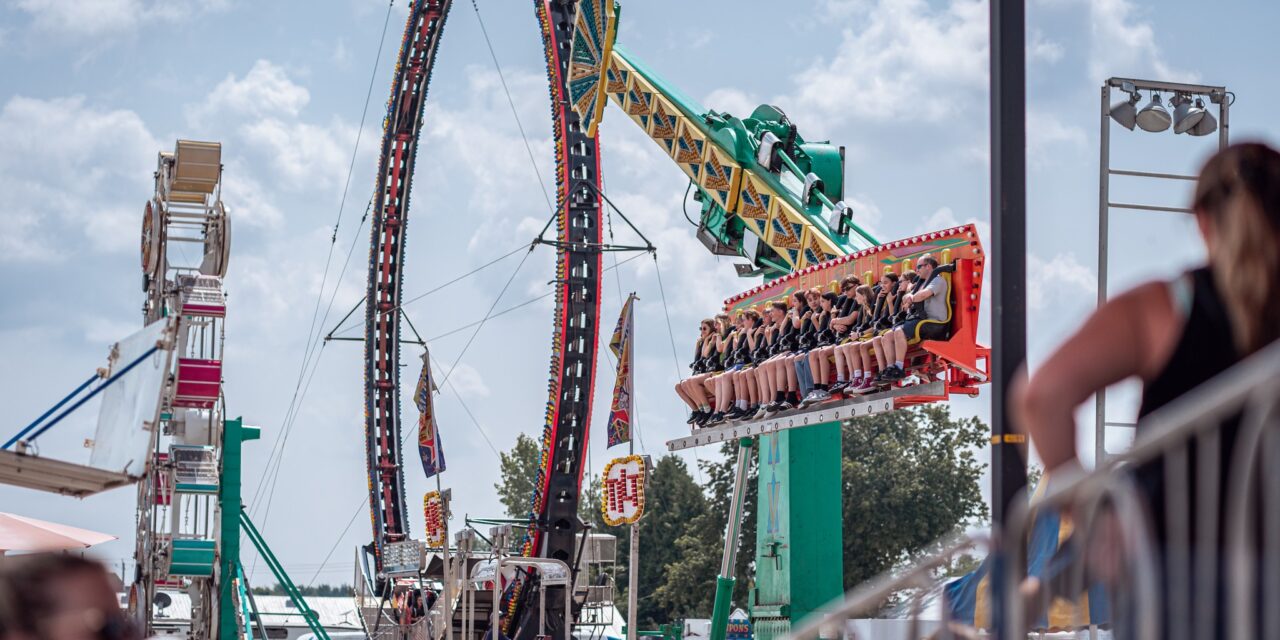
{"x": 799, "y": 561}
{"x": 732, "y": 538}
{"x": 234, "y": 434}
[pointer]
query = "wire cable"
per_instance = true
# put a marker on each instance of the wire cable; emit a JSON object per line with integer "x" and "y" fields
{"x": 502, "y": 77}
{"x": 310, "y": 349}
{"x": 487, "y": 314}
{"x": 675, "y": 359}
{"x": 311, "y": 344}
{"x": 364, "y": 501}
{"x": 463, "y": 276}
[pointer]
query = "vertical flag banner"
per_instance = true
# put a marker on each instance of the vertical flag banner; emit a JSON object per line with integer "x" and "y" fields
{"x": 620, "y": 345}
{"x": 428, "y": 435}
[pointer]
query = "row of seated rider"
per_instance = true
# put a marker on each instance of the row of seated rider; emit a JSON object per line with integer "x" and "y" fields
{"x": 780, "y": 356}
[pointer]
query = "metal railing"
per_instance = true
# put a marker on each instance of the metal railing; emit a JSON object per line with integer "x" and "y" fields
{"x": 1180, "y": 534}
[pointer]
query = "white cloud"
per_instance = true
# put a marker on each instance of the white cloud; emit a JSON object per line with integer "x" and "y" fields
{"x": 105, "y": 18}
{"x": 732, "y": 101}
{"x": 1125, "y": 45}
{"x": 1042, "y": 49}
{"x": 466, "y": 380}
{"x": 306, "y": 156}
{"x": 265, "y": 90}
{"x": 486, "y": 146}
{"x": 341, "y": 55}
{"x": 945, "y": 218}
{"x": 904, "y": 58}
{"x": 264, "y": 108}
{"x": 21, "y": 239}
{"x": 71, "y": 173}
{"x": 247, "y": 199}
{"x": 1045, "y": 131}
{"x": 1059, "y": 279}
{"x": 866, "y": 214}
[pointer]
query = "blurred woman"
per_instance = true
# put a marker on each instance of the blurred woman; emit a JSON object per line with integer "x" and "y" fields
{"x": 1174, "y": 336}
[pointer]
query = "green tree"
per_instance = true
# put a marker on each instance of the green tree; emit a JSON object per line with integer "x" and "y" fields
{"x": 519, "y": 472}
{"x": 909, "y": 477}
{"x": 674, "y": 502}
{"x": 320, "y": 590}
{"x": 690, "y": 582}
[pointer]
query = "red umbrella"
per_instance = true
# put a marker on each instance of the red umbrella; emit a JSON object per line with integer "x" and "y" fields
{"x": 20, "y": 533}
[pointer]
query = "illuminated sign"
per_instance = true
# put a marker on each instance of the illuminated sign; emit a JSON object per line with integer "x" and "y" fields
{"x": 623, "y": 497}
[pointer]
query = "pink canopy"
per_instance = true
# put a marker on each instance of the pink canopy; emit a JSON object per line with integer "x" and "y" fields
{"x": 20, "y": 533}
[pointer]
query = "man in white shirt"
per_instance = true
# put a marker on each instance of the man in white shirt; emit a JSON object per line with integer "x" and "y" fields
{"x": 933, "y": 298}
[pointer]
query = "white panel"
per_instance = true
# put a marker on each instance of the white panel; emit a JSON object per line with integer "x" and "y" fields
{"x": 131, "y": 405}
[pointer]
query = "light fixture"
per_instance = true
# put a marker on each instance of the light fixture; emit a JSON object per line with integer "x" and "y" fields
{"x": 1207, "y": 124}
{"x": 1186, "y": 114}
{"x": 1154, "y": 117}
{"x": 1125, "y": 112}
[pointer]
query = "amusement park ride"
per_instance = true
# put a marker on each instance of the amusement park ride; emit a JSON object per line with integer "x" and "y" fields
{"x": 767, "y": 195}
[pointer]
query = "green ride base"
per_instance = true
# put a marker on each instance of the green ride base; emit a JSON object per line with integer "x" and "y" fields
{"x": 799, "y": 531}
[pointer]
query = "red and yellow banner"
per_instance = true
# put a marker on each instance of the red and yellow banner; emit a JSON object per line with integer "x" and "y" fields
{"x": 429, "y": 448}
{"x": 620, "y": 411}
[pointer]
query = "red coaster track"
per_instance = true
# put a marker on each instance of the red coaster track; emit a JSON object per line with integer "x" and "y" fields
{"x": 553, "y": 512}
{"x": 386, "y": 258}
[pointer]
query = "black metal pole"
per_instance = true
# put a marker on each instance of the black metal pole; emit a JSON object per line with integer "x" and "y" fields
{"x": 1009, "y": 237}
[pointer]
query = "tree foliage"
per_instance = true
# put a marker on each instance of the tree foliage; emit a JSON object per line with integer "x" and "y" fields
{"x": 519, "y": 472}
{"x": 674, "y": 504}
{"x": 518, "y": 469}
{"x": 320, "y": 590}
{"x": 908, "y": 478}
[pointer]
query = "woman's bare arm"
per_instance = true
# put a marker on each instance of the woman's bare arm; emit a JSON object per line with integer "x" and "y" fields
{"x": 1129, "y": 335}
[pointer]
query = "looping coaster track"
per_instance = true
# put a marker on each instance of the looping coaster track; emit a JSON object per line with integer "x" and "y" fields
{"x": 553, "y": 512}
{"x": 386, "y": 259}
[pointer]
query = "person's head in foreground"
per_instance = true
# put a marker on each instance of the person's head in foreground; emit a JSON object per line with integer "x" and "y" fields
{"x": 51, "y": 596}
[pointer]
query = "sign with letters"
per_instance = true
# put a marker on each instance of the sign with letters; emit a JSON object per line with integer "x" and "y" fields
{"x": 623, "y": 494}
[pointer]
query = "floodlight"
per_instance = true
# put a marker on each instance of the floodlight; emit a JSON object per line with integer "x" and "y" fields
{"x": 1207, "y": 124}
{"x": 1186, "y": 114}
{"x": 1125, "y": 112}
{"x": 1154, "y": 117}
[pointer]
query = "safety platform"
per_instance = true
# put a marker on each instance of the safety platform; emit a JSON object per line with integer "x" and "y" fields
{"x": 831, "y": 411}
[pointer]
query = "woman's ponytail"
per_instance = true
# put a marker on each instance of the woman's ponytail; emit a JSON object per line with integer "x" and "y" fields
{"x": 1239, "y": 194}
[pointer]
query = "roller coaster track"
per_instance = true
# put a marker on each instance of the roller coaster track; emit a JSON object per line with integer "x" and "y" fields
{"x": 553, "y": 511}
{"x": 553, "y": 514}
{"x": 386, "y": 259}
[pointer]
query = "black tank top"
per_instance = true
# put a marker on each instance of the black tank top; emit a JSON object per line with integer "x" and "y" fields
{"x": 1204, "y": 350}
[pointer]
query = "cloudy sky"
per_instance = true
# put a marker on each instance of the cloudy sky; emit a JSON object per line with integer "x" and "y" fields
{"x": 93, "y": 89}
